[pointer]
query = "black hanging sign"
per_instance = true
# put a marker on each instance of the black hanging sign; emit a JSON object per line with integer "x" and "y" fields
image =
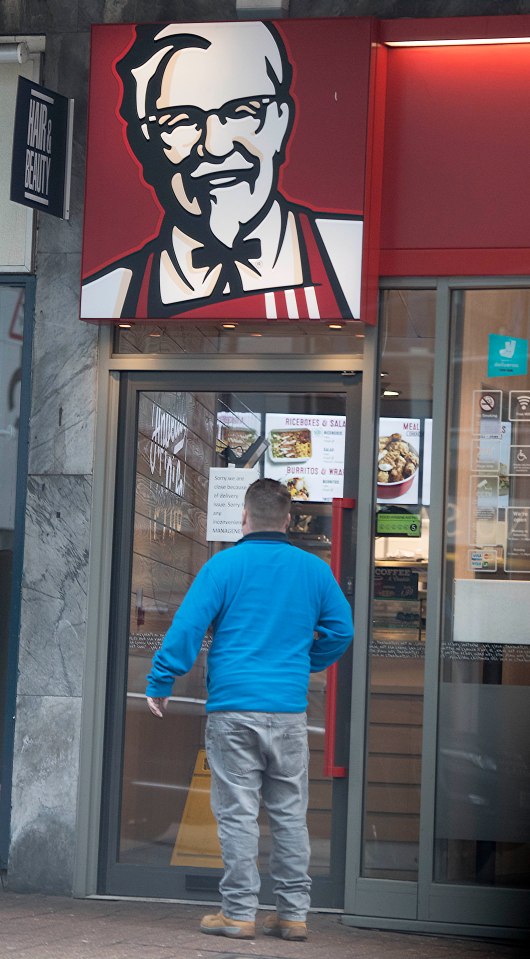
{"x": 42, "y": 149}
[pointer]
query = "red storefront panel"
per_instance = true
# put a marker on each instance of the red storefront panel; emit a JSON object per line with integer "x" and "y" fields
{"x": 455, "y": 184}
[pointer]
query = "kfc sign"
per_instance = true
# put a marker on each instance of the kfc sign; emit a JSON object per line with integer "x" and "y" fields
{"x": 225, "y": 174}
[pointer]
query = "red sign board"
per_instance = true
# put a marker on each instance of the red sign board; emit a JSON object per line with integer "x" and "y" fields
{"x": 225, "y": 170}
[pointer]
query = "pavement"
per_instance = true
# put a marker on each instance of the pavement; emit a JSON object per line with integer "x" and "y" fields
{"x": 53, "y": 927}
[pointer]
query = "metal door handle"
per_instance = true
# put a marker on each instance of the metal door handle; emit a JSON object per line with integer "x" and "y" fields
{"x": 339, "y": 504}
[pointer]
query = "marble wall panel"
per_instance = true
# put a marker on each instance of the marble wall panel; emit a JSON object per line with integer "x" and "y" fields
{"x": 58, "y": 16}
{"x": 109, "y": 11}
{"x": 64, "y": 372}
{"x": 406, "y": 8}
{"x": 66, "y": 236}
{"x": 44, "y": 794}
{"x": 54, "y": 587}
{"x": 152, "y": 11}
{"x": 38, "y": 16}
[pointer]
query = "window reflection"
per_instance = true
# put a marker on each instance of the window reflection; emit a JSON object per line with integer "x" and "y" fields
{"x": 309, "y": 339}
{"x": 400, "y": 584}
{"x": 182, "y": 439}
{"x": 11, "y": 332}
{"x": 483, "y": 775}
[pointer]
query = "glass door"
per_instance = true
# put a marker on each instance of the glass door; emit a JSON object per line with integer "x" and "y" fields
{"x": 439, "y": 836}
{"x": 395, "y": 654}
{"x": 482, "y": 801}
{"x": 190, "y": 445}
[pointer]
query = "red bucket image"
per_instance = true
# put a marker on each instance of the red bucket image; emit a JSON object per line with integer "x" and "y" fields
{"x": 397, "y": 465}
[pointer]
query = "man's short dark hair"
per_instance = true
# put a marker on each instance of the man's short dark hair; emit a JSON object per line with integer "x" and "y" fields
{"x": 268, "y": 503}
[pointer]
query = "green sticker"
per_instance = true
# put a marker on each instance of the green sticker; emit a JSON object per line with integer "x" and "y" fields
{"x": 398, "y": 524}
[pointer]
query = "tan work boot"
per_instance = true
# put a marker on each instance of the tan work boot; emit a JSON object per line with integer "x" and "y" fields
{"x": 219, "y": 925}
{"x": 291, "y": 929}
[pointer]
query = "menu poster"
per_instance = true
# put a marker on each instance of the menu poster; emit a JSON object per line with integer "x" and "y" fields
{"x": 237, "y": 430}
{"x": 306, "y": 453}
{"x": 398, "y": 461}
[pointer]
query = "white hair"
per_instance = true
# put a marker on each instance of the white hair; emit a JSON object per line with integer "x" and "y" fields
{"x": 241, "y": 43}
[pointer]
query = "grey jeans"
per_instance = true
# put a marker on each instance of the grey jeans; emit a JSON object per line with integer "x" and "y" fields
{"x": 253, "y": 754}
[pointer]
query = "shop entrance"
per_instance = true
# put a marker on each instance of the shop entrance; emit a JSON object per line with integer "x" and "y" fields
{"x": 189, "y": 444}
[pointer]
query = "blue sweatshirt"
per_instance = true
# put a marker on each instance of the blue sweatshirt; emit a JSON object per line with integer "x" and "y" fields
{"x": 265, "y": 600}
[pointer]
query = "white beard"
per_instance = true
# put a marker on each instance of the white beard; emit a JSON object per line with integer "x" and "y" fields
{"x": 226, "y": 207}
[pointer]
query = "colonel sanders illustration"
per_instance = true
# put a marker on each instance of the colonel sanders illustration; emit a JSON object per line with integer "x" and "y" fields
{"x": 209, "y": 113}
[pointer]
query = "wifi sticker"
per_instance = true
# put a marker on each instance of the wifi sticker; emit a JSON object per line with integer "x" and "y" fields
{"x": 519, "y": 405}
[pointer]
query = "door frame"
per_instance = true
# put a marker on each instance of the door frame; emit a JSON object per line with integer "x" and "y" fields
{"x": 425, "y": 905}
{"x": 128, "y": 879}
{"x": 27, "y": 283}
{"x": 110, "y": 366}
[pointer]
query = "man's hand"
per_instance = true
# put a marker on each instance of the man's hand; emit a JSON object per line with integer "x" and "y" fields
{"x": 157, "y": 704}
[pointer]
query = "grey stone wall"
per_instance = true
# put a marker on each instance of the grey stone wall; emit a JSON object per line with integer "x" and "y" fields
{"x": 54, "y": 594}
{"x": 54, "y": 588}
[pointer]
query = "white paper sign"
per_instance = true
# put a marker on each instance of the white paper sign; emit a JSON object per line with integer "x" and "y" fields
{"x": 491, "y": 611}
{"x": 226, "y": 494}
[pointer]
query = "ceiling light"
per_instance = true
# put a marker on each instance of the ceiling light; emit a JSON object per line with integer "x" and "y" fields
{"x": 256, "y": 334}
{"x": 125, "y": 326}
{"x": 456, "y": 42}
{"x": 383, "y": 373}
{"x": 391, "y": 393}
{"x": 155, "y": 333}
{"x": 335, "y": 326}
{"x": 229, "y": 326}
{"x": 359, "y": 336}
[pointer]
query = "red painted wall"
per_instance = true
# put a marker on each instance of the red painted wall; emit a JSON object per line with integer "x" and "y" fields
{"x": 456, "y": 170}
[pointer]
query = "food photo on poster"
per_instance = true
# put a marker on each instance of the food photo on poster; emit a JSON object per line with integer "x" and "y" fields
{"x": 307, "y": 454}
{"x": 398, "y": 460}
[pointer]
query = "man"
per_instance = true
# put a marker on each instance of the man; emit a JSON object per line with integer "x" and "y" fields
{"x": 209, "y": 112}
{"x": 277, "y": 615}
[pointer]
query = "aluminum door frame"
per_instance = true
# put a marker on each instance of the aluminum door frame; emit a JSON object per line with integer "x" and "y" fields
{"x": 131, "y": 880}
{"x": 425, "y": 905}
{"x": 8, "y": 738}
{"x": 95, "y": 688}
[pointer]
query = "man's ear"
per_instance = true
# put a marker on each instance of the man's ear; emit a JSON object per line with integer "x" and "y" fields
{"x": 286, "y": 116}
{"x": 287, "y": 522}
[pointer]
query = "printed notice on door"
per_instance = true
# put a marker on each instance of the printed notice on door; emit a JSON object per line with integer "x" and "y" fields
{"x": 483, "y": 502}
{"x": 226, "y": 494}
{"x": 517, "y": 539}
{"x": 486, "y": 417}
